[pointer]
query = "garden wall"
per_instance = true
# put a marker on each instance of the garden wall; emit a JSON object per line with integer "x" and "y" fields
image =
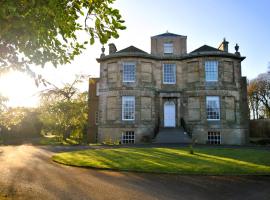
{"x": 260, "y": 128}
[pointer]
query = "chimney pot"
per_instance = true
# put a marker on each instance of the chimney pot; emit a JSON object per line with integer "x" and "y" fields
{"x": 112, "y": 48}
{"x": 224, "y": 46}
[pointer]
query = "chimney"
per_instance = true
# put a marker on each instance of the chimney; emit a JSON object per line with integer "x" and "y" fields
{"x": 224, "y": 46}
{"x": 112, "y": 48}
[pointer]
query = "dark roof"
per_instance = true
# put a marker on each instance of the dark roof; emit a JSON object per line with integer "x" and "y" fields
{"x": 167, "y": 34}
{"x": 131, "y": 49}
{"x": 205, "y": 48}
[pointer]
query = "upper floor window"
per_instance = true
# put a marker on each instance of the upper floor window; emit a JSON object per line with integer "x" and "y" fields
{"x": 129, "y": 71}
{"x": 212, "y": 108}
{"x": 169, "y": 73}
{"x": 128, "y": 108}
{"x": 211, "y": 70}
{"x": 168, "y": 48}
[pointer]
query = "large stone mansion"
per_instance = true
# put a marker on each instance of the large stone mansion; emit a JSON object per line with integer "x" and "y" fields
{"x": 139, "y": 95}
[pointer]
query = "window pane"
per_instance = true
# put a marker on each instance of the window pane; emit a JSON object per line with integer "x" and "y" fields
{"x": 212, "y": 107}
{"x": 128, "y": 137}
{"x": 168, "y": 47}
{"x": 214, "y": 137}
{"x": 128, "y": 108}
{"x": 169, "y": 73}
{"x": 129, "y": 70}
{"x": 211, "y": 71}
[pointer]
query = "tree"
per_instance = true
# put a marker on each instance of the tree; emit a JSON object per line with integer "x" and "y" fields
{"x": 253, "y": 99}
{"x": 259, "y": 96}
{"x": 3, "y": 101}
{"x": 64, "y": 111}
{"x": 42, "y": 31}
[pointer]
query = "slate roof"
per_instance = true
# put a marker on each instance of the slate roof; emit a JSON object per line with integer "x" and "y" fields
{"x": 205, "y": 48}
{"x": 131, "y": 49}
{"x": 167, "y": 34}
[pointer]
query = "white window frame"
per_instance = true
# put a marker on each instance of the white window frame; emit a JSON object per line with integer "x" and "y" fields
{"x": 128, "y": 137}
{"x": 217, "y": 108}
{"x": 214, "y": 137}
{"x": 211, "y": 70}
{"x": 168, "y": 48}
{"x": 165, "y": 73}
{"x": 128, "y": 75}
{"x": 128, "y": 109}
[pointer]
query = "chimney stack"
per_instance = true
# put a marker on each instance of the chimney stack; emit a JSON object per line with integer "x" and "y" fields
{"x": 224, "y": 46}
{"x": 112, "y": 48}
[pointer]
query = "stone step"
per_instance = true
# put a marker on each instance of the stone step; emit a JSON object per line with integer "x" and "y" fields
{"x": 172, "y": 135}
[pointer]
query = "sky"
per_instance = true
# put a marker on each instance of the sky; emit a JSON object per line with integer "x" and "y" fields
{"x": 246, "y": 22}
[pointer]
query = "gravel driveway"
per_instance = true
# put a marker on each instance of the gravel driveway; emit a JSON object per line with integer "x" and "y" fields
{"x": 27, "y": 172}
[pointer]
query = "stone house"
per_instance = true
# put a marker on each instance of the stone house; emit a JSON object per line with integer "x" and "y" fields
{"x": 141, "y": 96}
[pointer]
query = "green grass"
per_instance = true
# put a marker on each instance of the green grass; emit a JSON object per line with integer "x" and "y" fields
{"x": 212, "y": 161}
{"x": 54, "y": 140}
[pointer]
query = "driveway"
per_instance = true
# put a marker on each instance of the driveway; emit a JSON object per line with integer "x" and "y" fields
{"x": 27, "y": 172}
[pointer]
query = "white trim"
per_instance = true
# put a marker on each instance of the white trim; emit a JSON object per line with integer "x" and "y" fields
{"x": 217, "y": 100}
{"x": 126, "y": 137}
{"x": 214, "y": 140}
{"x": 174, "y": 73}
{"x": 123, "y": 72}
{"x": 130, "y": 98}
{"x": 211, "y": 63}
{"x": 168, "y": 48}
{"x": 169, "y": 118}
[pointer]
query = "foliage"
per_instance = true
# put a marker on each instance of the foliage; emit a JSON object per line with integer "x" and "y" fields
{"x": 259, "y": 96}
{"x": 3, "y": 101}
{"x": 20, "y": 122}
{"x": 218, "y": 161}
{"x": 37, "y": 32}
{"x": 64, "y": 112}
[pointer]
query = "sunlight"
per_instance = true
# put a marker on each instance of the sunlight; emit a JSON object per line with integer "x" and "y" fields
{"x": 19, "y": 89}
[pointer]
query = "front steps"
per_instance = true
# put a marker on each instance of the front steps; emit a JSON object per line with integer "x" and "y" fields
{"x": 172, "y": 135}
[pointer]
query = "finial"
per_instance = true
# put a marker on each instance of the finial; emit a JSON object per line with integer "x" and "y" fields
{"x": 167, "y": 31}
{"x": 102, "y": 51}
{"x": 237, "y": 49}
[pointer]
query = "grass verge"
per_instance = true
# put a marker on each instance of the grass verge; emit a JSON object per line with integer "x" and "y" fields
{"x": 205, "y": 161}
{"x": 54, "y": 140}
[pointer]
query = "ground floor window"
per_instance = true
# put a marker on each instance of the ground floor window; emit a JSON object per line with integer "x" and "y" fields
{"x": 128, "y": 137}
{"x": 214, "y": 137}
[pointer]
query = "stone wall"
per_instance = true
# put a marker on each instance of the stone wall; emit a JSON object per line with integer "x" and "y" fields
{"x": 189, "y": 92}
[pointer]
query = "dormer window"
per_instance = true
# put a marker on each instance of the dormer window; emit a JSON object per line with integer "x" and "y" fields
{"x": 168, "y": 48}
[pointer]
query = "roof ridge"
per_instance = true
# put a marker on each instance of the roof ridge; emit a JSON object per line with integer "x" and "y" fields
{"x": 131, "y": 49}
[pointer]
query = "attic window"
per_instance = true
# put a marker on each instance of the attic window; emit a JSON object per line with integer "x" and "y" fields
{"x": 168, "y": 48}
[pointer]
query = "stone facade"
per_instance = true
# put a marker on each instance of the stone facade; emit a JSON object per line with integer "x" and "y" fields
{"x": 188, "y": 94}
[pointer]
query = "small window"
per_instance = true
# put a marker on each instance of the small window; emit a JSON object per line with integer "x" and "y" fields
{"x": 168, "y": 48}
{"x": 97, "y": 89}
{"x": 129, "y": 70}
{"x": 128, "y": 137}
{"x": 128, "y": 108}
{"x": 96, "y": 117}
{"x": 169, "y": 73}
{"x": 213, "y": 108}
{"x": 214, "y": 137}
{"x": 211, "y": 71}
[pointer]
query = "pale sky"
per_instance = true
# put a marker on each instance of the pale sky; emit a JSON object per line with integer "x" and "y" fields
{"x": 246, "y": 22}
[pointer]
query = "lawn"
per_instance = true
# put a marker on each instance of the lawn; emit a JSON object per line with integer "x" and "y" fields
{"x": 211, "y": 161}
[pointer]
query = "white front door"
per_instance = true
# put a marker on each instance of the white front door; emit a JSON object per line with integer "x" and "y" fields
{"x": 169, "y": 114}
